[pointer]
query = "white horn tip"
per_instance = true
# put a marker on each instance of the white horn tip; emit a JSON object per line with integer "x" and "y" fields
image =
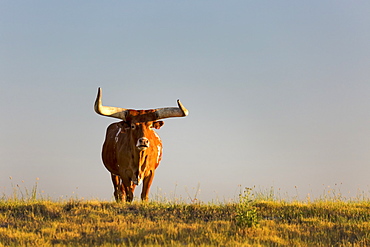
{"x": 183, "y": 109}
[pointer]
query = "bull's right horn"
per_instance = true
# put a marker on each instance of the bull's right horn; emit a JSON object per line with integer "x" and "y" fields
{"x": 108, "y": 111}
{"x": 169, "y": 112}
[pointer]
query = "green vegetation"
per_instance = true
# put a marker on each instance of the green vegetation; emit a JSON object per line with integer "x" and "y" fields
{"x": 252, "y": 221}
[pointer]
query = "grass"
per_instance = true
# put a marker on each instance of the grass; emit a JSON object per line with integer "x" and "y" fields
{"x": 255, "y": 220}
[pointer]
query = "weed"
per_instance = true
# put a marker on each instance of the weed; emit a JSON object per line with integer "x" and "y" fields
{"x": 246, "y": 213}
{"x": 21, "y": 193}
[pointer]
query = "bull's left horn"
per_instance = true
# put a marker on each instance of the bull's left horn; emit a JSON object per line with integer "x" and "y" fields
{"x": 108, "y": 111}
{"x": 169, "y": 112}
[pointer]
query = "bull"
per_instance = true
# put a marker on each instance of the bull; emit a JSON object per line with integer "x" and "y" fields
{"x": 132, "y": 150}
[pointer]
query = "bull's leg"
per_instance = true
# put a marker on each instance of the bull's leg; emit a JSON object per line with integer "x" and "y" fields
{"x": 119, "y": 192}
{"x": 129, "y": 189}
{"x": 131, "y": 192}
{"x": 146, "y": 186}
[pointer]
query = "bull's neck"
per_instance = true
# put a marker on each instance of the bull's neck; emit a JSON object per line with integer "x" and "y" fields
{"x": 142, "y": 157}
{"x": 139, "y": 168}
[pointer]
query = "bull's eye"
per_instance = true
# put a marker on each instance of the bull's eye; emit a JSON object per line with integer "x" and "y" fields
{"x": 133, "y": 126}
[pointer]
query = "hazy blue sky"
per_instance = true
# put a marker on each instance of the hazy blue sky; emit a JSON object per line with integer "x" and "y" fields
{"x": 278, "y": 93}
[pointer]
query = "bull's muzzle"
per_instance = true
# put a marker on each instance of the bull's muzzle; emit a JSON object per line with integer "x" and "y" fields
{"x": 142, "y": 143}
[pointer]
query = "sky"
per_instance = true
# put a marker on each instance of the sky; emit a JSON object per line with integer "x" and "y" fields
{"x": 278, "y": 94}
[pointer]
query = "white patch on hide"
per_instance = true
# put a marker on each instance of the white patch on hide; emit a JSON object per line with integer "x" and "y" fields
{"x": 137, "y": 181}
{"x": 155, "y": 133}
{"x": 119, "y": 131}
{"x": 159, "y": 153}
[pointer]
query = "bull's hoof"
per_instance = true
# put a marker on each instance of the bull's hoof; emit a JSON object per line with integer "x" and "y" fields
{"x": 119, "y": 196}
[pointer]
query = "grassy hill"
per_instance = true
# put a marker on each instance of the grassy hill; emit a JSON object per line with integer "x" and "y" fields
{"x": 250, "y": 222}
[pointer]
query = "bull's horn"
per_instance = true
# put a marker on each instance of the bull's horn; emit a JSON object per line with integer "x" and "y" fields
{"x": 108, "y": 111}
{"x": 169, "y": 112}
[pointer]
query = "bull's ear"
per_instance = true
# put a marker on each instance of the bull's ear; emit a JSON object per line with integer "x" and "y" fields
{"x": 158, "y": 124}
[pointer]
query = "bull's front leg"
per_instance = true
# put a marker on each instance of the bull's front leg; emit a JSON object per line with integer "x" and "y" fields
{"x": 119, "y": 192}
{"x": 146, "y": 186}
{"x": 129, "y": 188}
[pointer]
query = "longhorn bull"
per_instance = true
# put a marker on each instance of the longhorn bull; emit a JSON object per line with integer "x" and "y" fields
{"x": 132, "y": 150}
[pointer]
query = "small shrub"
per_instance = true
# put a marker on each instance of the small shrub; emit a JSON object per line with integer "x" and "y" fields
{"x": 246, "y": 213}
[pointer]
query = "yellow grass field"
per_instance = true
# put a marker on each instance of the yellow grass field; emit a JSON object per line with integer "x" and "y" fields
{"x": 248, "y": 222}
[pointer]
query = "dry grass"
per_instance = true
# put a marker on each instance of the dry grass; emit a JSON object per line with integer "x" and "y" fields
{"x": 97, "y": 223}
{"x": 257, "y": 219}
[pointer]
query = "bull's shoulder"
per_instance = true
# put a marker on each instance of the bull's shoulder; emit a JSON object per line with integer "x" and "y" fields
{"x": 114, "y": 130}
{"x": 114, "y": 127}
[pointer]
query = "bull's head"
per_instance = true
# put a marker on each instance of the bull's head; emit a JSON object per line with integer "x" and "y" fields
{"x": 141, "y": 133}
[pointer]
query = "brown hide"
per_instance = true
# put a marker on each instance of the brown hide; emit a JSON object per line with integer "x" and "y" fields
{"x": 127, "y": 155}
